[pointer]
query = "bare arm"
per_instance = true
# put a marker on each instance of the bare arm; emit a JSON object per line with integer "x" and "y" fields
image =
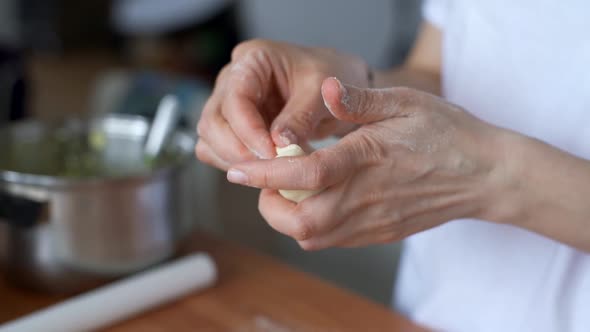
{"x": 421, "y": 70}
{"x": 544, "y": 190}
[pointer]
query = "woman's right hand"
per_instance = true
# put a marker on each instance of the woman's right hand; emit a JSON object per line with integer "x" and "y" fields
{"x": 269, "y": 95}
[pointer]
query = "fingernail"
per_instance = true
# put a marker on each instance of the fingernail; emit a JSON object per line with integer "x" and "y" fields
{"x": 257, "y": 154}
{"x": 288, "y": 137}
{"x": 237, "y": 176}
{"x": 259, "y": 151}
{"x": 344, "y": 97}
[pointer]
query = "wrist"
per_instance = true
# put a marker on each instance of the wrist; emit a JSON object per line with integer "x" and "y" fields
{"x": 504, "y": 199}
{"x": 542, "y": 189}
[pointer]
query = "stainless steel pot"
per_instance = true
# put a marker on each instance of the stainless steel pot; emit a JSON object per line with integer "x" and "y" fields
{"x": 65, "y": 231}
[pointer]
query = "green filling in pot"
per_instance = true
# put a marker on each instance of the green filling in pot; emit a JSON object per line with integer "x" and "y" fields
{"x": 79, "y": 155}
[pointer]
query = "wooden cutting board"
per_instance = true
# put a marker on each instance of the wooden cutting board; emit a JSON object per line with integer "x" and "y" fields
{"x": 254, "y": 293}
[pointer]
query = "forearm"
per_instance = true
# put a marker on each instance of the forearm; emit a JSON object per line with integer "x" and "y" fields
{"x": 545, "y": 190}
{"x": 422, "y": 67}
{"x": 408, "y": 76}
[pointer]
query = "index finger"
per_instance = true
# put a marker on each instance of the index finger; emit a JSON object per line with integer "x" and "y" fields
{"x": 316, "y": 171}
{"x": 248, "y": 81}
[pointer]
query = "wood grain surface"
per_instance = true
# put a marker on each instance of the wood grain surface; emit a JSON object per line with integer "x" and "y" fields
{"x": 254, "y": 293}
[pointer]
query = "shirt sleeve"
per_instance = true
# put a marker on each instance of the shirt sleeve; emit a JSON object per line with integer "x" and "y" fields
{"x": 435, "y": 12}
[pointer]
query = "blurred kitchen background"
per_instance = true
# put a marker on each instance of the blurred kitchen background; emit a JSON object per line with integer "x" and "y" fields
{"x": 65, "y": 57}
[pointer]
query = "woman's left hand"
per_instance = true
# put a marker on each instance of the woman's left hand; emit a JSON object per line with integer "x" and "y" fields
{"x": 415, "y": 162}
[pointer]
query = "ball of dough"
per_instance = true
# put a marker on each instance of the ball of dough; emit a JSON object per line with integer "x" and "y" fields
{"x": 294, "y": 150}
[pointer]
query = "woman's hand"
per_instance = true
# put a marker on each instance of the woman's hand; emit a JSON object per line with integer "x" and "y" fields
{"x": 269, "y": 95}
{"x": 415, "y": 162}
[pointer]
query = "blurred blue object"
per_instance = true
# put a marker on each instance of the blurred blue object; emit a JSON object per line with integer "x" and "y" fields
{"x": 156, "y": 17}
{"x": 145, "y": 90}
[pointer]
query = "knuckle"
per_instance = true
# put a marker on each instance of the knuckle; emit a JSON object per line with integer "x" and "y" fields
{"x": 302, "y": 122}
{"x": 265, "y": 208}
{"x": 202, "y": 128}
{"x": 247, "y": 46}
{"x": 302, "y": 229}
{"x": 251, "y": 69}
{"x": 373, "y": 197}
{"x": 204, "y": 155}
{"x": 270, "y": 221}
{"x": 201, "y": 151}
{"x": 212, "y": 103}
{"x": 385, "y": 220}
{"x": 240, "y": 49}
{"x": 369, "y": 148}
{"x": 260, "y": 43}
{"x": 219, "y": 80}
{"x": 319, "y": 175}
{"x": 262, "y": 206}
{"x": 435, "y": 120}
{"x": 405, "y": 98}
{"x": 317, "y": 75}
{"x": 242, "y": 153}
{"x": 208, "y": 108}
{"x": 385, "y": 223}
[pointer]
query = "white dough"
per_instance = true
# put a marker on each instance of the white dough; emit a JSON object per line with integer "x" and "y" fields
{"x": 294, "y": 150}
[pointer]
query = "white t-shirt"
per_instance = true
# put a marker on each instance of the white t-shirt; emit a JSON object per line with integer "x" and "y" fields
{"x": 523, "y": 65}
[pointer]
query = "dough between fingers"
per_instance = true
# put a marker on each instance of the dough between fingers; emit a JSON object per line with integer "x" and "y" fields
{"x": 294, "y": 150}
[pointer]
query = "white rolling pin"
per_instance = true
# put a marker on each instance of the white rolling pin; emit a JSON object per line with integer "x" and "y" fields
{"x": 122, "y": 299}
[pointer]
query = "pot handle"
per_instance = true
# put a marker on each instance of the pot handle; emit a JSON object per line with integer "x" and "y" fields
{"x": 20, "y": 211}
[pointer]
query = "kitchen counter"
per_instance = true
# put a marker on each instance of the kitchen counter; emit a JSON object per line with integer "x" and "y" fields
{"x": 254, "y": 293}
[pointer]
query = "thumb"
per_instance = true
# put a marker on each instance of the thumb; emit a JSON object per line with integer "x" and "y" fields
{"x": 298, "y": 118}
{"x": 352, "y": 104}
